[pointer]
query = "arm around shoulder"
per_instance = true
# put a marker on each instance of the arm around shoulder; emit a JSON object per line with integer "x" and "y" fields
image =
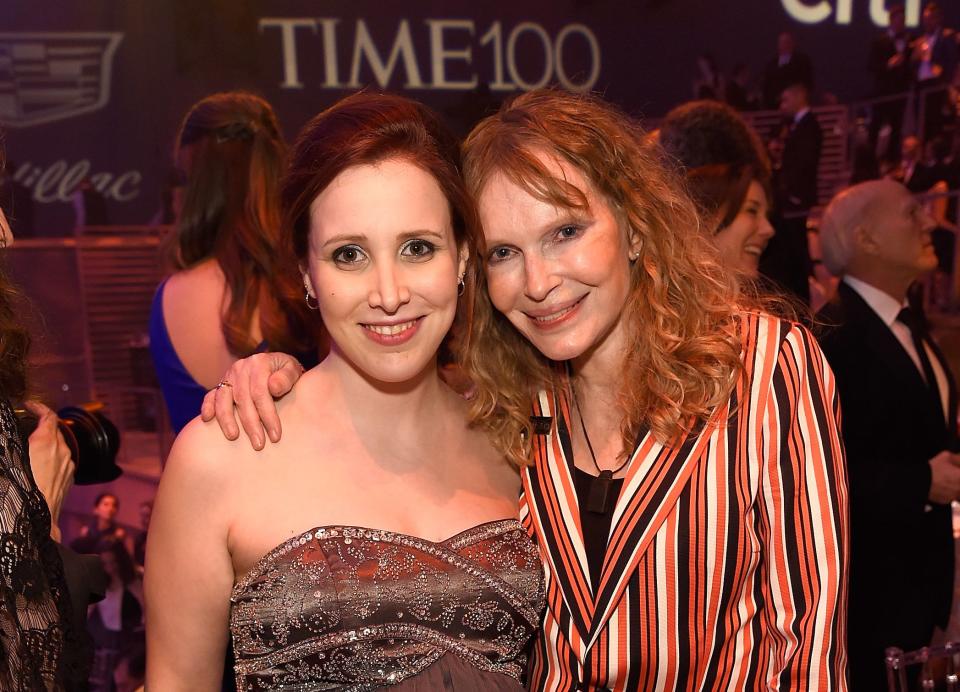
{"x": 189, "y": 573}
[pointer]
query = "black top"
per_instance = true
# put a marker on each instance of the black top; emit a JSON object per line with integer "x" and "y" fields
{"x": 596, "y": 527}
{"x": 40, "y": 649}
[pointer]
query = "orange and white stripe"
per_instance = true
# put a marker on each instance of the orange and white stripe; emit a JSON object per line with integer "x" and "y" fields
{"x": 727, "y": 557}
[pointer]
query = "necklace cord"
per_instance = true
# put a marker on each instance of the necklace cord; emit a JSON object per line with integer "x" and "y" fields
{"x": 586, "y": 436}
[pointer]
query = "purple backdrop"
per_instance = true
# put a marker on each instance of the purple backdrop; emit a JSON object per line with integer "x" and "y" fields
{"x": 94, "y": 89}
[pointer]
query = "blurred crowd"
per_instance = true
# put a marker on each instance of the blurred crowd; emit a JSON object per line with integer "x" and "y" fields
{"x": 115, "y": 623}
{"x": 904, "y": 129}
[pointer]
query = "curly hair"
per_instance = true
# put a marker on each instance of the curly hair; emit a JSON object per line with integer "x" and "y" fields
{"x": 14, "y": 338}
{"x": 683, "y": 353}
{"x": 720, "y": 155}
{"x": 231, "y": 213}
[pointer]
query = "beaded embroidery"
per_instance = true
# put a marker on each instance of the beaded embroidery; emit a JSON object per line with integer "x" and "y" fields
{"x": 343, "y": 607}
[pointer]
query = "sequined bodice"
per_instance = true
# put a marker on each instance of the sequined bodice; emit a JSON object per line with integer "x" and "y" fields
{"x": 354, "y": 608}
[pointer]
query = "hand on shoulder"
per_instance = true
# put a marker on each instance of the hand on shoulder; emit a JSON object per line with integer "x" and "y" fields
{"x": 252, "y": 386}
{"x": 203, "y": 454}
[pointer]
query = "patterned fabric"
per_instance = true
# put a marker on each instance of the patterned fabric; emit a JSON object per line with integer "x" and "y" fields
{"x": 35, "y": 630}
{"x": 354, "y": 608}
{"x": 726, "y": 563}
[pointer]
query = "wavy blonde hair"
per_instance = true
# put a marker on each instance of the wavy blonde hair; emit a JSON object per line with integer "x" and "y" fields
{"x": 683, "y": 353}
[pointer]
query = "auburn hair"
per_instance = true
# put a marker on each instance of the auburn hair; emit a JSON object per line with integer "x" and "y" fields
{"x": 231, "y": 213}
{"x": 366, "y": 128}
{"x": 682, "y": 357}
{"x": 721, "y": 155}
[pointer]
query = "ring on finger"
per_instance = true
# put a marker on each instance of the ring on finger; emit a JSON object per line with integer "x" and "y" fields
{"x": 224, "y": 383}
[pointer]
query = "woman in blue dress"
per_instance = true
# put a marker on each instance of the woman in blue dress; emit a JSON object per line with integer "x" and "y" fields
{"x": 229, "y": 296}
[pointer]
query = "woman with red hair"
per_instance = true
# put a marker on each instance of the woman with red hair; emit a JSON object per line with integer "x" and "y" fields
{"x": 378, "y": 544}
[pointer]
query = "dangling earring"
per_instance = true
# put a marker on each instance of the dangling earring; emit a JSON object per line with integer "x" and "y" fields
{"x": 461, "y": 284}
{"x": 307, "y": 297}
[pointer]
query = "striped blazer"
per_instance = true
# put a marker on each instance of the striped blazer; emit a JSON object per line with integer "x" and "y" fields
{"x": 726, "y": 563}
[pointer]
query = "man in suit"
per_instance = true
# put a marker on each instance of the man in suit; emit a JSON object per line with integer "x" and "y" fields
{"x": 787, "y": 256}
{"x": 898, "y": 402}
{"x": 797, "y": 183}
{"x": 889, "y": 62}
{"x": 935, "y": 57}
{"x": 788, "y": 66}
{"x": 914, "y": 173}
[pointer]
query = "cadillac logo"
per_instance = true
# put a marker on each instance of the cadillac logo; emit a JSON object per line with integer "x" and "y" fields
{"x": 52, "y": 76}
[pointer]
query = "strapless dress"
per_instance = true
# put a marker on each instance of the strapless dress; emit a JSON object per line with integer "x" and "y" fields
{"x": 351, "y": 608}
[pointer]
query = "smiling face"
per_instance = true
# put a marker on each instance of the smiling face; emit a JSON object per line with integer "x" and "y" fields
{"x": 744, "y": 239}
{"x": 383, "y": 265}
{"x": 561, "y": 276}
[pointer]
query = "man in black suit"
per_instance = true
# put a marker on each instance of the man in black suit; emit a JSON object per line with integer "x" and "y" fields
{"x": 797, "y": 181}
{"x": 787, "y": 257}
{"x": 789, "y": 66}
{"x": 914, "y": 173}
{"x": 899, "y": 411}
{"x": 889, "y": 62}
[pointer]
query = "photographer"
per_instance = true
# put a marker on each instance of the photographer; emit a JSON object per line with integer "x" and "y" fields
{"x": 41, "y": 647}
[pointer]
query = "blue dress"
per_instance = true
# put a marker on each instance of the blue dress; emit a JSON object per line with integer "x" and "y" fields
{"x": 182, "y": 394}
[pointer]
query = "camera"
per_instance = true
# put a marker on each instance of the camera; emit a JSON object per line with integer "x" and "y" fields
{"x": 92, "y": 438}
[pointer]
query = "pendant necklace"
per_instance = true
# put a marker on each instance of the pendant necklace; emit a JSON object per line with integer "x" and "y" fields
{"x": 598, "y": 499}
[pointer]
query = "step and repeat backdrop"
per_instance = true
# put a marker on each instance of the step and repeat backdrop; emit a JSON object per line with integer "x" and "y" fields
{"x": 92, "y": 91}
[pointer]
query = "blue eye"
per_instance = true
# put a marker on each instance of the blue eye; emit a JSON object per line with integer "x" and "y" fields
{"x": 500, "y": 254}
{"x": 349, "y": 255}
{"x": 417, "y": 249}
{"x": 568, "y": 232}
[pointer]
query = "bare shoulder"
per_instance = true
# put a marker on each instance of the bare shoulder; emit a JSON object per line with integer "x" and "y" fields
{"x": 200, "y": 479}
{"x": 202, "y": 456}
{"x": 194, "y": 292}
{"x": 206, "y": 272}
{"x": 313, "y": 398}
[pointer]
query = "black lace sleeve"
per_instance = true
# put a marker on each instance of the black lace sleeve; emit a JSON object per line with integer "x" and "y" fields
{"x": 36, "y": 635}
